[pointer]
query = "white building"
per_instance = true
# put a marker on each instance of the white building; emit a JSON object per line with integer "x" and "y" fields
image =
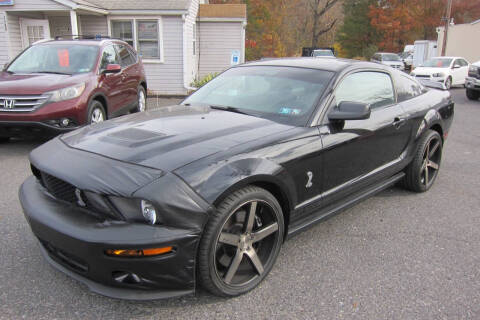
{"x": 178, "y": 40}
{"x": 462, "y": 40}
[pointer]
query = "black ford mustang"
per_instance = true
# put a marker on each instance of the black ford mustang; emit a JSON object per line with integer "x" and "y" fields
{"x": 152, "y": 204}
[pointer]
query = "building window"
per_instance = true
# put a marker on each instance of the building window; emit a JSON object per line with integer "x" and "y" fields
{"x": 147, "y": 42}
{"x": 144, "y": 35}
{"x": 122, "y": 29}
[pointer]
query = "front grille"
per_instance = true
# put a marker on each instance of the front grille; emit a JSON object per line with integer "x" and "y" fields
{"x": 474, "y": 74}
{"x": 65, "y": 258}
{"x": 24, "y": 103}
{"x": 58, "y": 188}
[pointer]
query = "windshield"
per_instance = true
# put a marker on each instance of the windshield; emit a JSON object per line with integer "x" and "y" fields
{"x": 390, "y": 57}
{"x": 323, "y": 53}
{"x": 61, "y": 58}
{"x": 282, "y": 94}
{"x": 438, "y": 63}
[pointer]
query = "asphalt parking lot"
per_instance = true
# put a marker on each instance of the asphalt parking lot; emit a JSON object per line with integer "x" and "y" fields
{"x": 397, "y": 255}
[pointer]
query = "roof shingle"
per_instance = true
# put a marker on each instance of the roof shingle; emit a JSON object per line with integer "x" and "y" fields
{"x": 223, "y": 11}
{"x": 141, "y": 4}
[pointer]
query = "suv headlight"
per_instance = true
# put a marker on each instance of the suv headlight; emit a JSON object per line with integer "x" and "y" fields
{"x": 473, "y": 68}
{"x": 438, "y": 75}
{"x": 67, "y": 93}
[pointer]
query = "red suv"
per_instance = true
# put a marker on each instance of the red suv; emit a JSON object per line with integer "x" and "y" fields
{"x": 60, "y": 85}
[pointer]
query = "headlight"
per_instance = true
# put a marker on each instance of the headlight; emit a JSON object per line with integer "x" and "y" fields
{"x": 67, "y": 93}
{"x": 149, "y": 212}
{"x": 438, "y": 75}
{"x": 473, "y": 68}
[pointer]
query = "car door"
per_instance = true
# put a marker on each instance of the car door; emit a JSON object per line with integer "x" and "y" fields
{"x": 464, "y": 65}
{"x": 129, "y": 72}
{"x": 111, "y": 83}
{"x": 359, "y": 152}
{"x": 459, "y": 72}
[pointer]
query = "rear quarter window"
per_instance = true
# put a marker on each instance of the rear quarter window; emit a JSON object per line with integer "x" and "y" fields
{"x": 407, "y": 88}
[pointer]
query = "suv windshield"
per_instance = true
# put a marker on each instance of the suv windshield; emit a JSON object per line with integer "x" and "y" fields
{"x": 283, "y": 94}
{"x": 323, "y": 53}
{"x": 390, "y": 57}
{"x": 56, "y": 58}
{"x": 438, "y": 63}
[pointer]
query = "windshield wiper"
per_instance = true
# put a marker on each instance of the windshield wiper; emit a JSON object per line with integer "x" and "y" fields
{"x": 227, "y": 108}
{"x": 54, "y": 72}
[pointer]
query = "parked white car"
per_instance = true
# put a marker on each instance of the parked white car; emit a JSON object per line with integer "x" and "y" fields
{"x": 388, "y": 59}
{"x": 450, "y": 71}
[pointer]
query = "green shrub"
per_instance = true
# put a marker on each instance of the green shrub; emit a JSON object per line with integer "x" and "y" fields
{"x": 197, "y": 83}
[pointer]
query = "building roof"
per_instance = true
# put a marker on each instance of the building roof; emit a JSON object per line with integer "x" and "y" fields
{"x": 139, "y": 4}
{"x": 223, "y": 11}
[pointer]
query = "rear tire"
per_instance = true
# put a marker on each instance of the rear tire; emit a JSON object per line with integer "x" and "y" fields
{"x": 422, "y": 172}
{"x": 241, "y": 242}
{"x": 141, "y": 100}
{"x": 473, "y": 94}
{"x": 96, "y": 112}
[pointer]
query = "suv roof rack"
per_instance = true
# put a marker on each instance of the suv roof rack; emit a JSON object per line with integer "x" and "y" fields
{"x": 84, "y": 37}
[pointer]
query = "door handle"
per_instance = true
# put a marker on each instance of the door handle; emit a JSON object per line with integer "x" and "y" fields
{"x": 398, "y": 122}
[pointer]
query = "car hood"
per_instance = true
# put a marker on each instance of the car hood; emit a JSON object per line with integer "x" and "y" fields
{"x": 171, "y": 137}
{"x": 36, "y": 83}
{"x": 429, "y": 70}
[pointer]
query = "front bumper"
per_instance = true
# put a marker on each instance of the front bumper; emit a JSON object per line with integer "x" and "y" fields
{"x": 472, "y": 83}
{"x": 30, "y": 129}
{"x": 75, "y": 243}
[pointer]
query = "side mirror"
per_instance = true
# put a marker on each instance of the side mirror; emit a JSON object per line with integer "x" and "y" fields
{"x": 348, "y": 110}
{"x": 112, "y": 68}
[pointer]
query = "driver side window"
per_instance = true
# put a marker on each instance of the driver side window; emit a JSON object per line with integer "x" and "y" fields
{"x": 373, "y": 88}
{"x": 109, "y": 56}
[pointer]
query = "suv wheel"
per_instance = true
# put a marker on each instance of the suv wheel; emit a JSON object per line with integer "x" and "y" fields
{"x": 472, "y": 94}
{"x": 141, "y": 100}
{"x": 96, "y": 113}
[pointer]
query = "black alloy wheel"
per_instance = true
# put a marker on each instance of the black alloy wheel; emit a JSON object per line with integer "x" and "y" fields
{"x": 423, "y": 170}
{"x": 473, "y": 94}
{"x": 241, "y": 242}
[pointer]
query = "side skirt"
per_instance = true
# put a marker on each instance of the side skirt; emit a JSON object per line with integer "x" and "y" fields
{"x": 342, "y": 205}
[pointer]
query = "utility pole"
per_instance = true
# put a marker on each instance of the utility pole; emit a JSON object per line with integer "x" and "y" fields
{"x": 447, "y": 23}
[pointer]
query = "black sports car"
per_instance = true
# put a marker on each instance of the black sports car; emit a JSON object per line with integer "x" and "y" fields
{"x": 204, "y": 193}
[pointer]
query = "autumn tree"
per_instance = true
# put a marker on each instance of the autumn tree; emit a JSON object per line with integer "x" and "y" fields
{"x": 357, "y": 37}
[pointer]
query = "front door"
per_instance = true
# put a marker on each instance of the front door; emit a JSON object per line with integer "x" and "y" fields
{"x": 358, "y": 152}
{"x": 34, "y": 30}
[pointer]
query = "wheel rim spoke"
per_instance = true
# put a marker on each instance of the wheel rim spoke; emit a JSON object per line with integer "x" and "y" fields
{"x": 251, "y": 216}
{"x": 232, "y": 269}
{"x": 229, "y": 238}
{"x": 252, "y": 255}
{"x": 434, "y": 149}
{"x": 433, "y": 165}
{"x": 426, "y": 175}
{"x": 265, "y": 232}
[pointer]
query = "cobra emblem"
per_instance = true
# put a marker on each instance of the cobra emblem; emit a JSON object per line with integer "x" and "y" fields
{"x": 310, "y": 178}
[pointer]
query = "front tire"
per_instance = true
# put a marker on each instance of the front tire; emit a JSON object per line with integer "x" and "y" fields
{"x": 472, "y": 94}
{"x": 423, "y": 170}
{"x": 96, "y": 112}
{"x": 448, "y": 83}
{"x": 241, "y": 242}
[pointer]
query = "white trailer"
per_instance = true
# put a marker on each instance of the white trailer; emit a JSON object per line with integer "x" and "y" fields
{"x": 423, "y": 50}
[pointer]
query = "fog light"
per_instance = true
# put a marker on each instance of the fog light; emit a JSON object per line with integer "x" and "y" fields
{"x": 149, "y": 212}
{"x": 138, "y": 252}
{"x": 64, "y": 122}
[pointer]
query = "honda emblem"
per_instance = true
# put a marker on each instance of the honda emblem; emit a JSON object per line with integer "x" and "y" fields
{"x": 9, "y": 103}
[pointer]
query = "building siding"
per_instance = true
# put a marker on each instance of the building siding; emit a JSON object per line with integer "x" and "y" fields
{"x": 217, "y": 40}
{"x": 459, "y": 41}
{"x": 40, "y": 5}
{"x": 191, "y": 63}
{"x": 93, "y": 25}
{"x": 4, "y": 48}
{"x": 167, "y": 77}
